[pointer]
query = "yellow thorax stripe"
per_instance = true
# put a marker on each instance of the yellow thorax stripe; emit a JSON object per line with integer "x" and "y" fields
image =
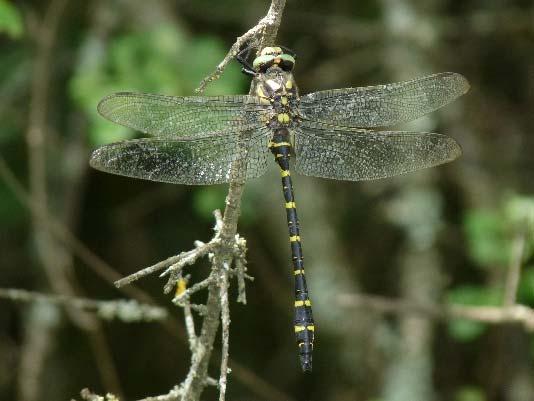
{"x": 290, "y": 205}
{"x": 294, "y": 238}
{"x": 306, "y": 302}
{"x": 278, "y": 144}
{"x": 297, "y": 272}
{"x": 284, "y": 173}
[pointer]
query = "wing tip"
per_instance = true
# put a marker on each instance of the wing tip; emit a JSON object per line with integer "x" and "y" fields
{"x": 461, "y": 81}
{"x": 94, "y": 160}
{"x": 456, "y": 150}
{"x": 102, "y": 108}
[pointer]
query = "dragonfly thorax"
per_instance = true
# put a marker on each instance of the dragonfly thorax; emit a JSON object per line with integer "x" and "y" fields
{"x": 276, "y": 88}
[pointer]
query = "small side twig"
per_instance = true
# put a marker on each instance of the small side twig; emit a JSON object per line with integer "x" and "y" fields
{"x": 183, "y": 259}
{"x": 514, "y": 268}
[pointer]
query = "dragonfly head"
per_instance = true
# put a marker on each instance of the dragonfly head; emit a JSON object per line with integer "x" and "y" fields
{"x": 273, "y": 56}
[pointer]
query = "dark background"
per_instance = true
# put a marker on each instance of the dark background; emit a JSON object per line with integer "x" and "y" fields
{"x": 442, "y": 236}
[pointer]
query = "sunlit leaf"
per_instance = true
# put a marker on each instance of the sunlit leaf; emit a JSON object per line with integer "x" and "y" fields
{"x": 209, "y": 198}
{"x": 520, "y": 213}
{"x": 470, "y": 393}
{"x": 488, "y": 238}
{"x": 10, "y": 20}
{"x": 526, "y": 286}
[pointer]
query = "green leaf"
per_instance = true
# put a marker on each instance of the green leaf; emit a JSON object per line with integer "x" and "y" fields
{"x": 520, "y": 214}
{"x": 470, "y": 393}
{"x": 466, "y": 330}
{"x": 10, "y": 20}
{"x": 11, "y": 211}
{"x": 526, "y": 286}
{"x": 487, "y": 236}
{"x": 209, "y": 198}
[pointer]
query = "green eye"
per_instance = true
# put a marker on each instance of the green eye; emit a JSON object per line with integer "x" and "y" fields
{"x": 287, "y": 58}
{"x": 261, "y": 61}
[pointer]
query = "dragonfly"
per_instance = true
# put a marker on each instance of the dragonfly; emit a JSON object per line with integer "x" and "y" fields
{"x": 335, "y": 134}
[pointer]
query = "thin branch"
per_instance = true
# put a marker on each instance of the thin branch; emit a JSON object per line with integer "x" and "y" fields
{"x": 485, "y": 314}
{"x": 178, "y": 299}
{"x": 263, "y": 33}
{"x": 126, "y": 310}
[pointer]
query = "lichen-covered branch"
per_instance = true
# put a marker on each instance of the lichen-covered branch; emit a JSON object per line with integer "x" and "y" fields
{"x": 126, "y": 310}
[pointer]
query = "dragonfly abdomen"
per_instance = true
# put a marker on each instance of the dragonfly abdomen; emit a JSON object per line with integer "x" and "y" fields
{"x": 304, "y": 326}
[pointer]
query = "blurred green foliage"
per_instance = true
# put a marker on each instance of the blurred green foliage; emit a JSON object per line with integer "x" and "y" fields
{"x": 487, "y": 238}
{"x": 10, "y": 20}
{"x": 470, "y": 394}
{"x": 490, "y": 234}
{"x": 161, "y": 60}
{"x": 470, "y": 295}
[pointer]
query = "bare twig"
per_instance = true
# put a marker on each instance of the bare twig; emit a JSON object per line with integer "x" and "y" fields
{"x": 485, "y": 314}
{"x": 176, "y": 262}
{"x": 178, "y": 299}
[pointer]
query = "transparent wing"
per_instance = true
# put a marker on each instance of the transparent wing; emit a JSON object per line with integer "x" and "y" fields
{"x": 383, "y": 105}
{"x": 170, "y": 116}
{"x": 356, "y": 155}
{"x": 208, "y": 160}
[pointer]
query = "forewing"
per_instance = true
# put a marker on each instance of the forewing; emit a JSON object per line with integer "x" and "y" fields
{"x": 208, "y": 160}
{"x": 356, "y": 155}
{"x": 170, "y": 116}
{"x": 383, "y": 105}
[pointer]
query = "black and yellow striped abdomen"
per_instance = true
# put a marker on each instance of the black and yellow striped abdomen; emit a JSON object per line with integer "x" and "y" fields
{"x": 304, "y": 326}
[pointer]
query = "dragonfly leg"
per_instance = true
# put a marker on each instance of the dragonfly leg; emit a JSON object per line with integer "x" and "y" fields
{"x": 242, "y": 58}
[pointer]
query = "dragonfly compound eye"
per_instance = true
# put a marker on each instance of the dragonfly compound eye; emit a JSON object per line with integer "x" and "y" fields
{"x": 262, "y": 63}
